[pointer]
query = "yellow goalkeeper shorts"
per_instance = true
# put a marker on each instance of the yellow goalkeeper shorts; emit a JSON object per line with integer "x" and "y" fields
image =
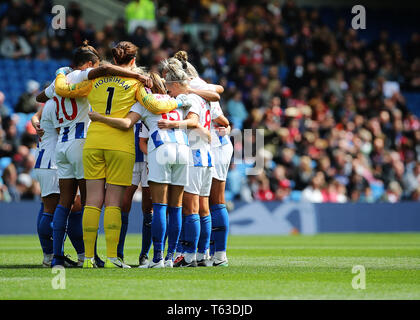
{"x": 116, "y": 167}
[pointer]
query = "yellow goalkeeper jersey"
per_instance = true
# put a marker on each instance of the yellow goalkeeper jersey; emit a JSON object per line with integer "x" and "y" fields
{"x": 112, "y": 96}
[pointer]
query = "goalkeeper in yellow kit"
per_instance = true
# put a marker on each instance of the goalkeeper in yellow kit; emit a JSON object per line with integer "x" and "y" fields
{"x": 109, "y": 153}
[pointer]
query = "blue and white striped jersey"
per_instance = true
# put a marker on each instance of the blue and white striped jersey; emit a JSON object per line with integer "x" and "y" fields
{"x": 157, "y": 136}
{"x": 140, "y": 131}
{"x": 71, "y": 114}
{"x": 216, "y": 111}
{"x": 45, "y": 152}
{"x": 200, "y": 147}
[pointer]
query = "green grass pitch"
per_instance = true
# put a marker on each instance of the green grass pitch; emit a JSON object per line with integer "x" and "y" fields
{"x": 260, "y": 267}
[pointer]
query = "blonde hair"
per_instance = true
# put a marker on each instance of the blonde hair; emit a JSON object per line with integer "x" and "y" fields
{"x": 176, "y": 74}
{"x": 182, "y": 56}
{"x": 158, "y": 82}
{"x": 164, "y": 64}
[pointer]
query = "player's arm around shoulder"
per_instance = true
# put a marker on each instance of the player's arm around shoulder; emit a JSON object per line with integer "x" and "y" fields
{"x": 119, "y": 123}
{"x": 208, "y": 95}
{"x": 149, "y": 101}
{"x": 67, "y": 90}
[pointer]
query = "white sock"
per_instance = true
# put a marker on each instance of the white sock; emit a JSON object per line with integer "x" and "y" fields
{"x": 48, "y": 256}
{"x": 220, "y": 255}
{"x": 189, "y": 257}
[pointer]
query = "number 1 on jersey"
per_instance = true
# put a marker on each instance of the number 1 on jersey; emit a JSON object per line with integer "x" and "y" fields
{"x": 110, "y": 91}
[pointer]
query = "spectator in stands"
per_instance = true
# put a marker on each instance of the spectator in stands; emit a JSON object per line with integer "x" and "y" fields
{"x": 236, "y": 110}
{"x": 328, "y": 101}
{"x": 264, "y": 193}
{"x": 234, "y": 182}
{"x": 27, "y": 187}
{"x": 4, "y": 193}
{"x": 4, "y": 108}
{"x": 27, "y": 102}
{"x": 313, "y": 193}
{"x": 393, "y": 193}
{"x": 14, "y": 46}
{"x": 10, "y": 141}
{"x": 10, "y": 181}
{"x": 412, "y": 179}
{"x": 367, "y": 195}
{"x": 140, "y": 13}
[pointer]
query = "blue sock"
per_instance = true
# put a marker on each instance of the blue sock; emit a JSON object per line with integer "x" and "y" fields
{"x": 166, "y": 234}
{"x": 205, "y": 231}
{"x": 75, "y": 231}
{"x": 45, "y": 232}
{"x": 38, "y": 219}
{"x": 174, "y": 229}
{"x": 180, "y": 245}
{"x": 59, "y": 229}
{"x": 40, "y": 212}
{"x": 220, "y": 226}
{"x": 212, "y": 248}
{"x": 123, "y": 233}
{"x": 158, "y": 230}
{"x": 146, "y": 235}
{"x": 192, "y": 232}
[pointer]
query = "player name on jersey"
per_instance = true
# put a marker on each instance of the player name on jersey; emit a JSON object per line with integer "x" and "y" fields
{"x": 113, "y": 79}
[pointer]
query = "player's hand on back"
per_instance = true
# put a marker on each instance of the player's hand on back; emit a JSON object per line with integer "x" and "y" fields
{"x": 164, "y": 124}
{"x": 93, "y": 115}
{"x": 147, "y": 81}
{"x": 39, "y": 131}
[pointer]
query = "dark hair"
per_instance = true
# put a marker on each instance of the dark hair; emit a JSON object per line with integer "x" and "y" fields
{"x": 124, "y": 52}
{"x": 85, "y": 53}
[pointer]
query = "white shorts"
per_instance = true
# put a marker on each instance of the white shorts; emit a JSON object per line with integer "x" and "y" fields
{"x": 169, "y": 164}
{"x": 69, "y": 158}
{"x": 221, "y": 160}
{"x": 199, "y": 181}
{"x": 48, "y": 181}
{"x": 140, "y": 174}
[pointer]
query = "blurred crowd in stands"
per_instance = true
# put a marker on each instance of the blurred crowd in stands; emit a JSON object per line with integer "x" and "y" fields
{"x": 336, "y": 126}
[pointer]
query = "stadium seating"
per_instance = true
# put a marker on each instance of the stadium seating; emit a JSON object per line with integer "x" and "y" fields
{"x": 15, "y": 73}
